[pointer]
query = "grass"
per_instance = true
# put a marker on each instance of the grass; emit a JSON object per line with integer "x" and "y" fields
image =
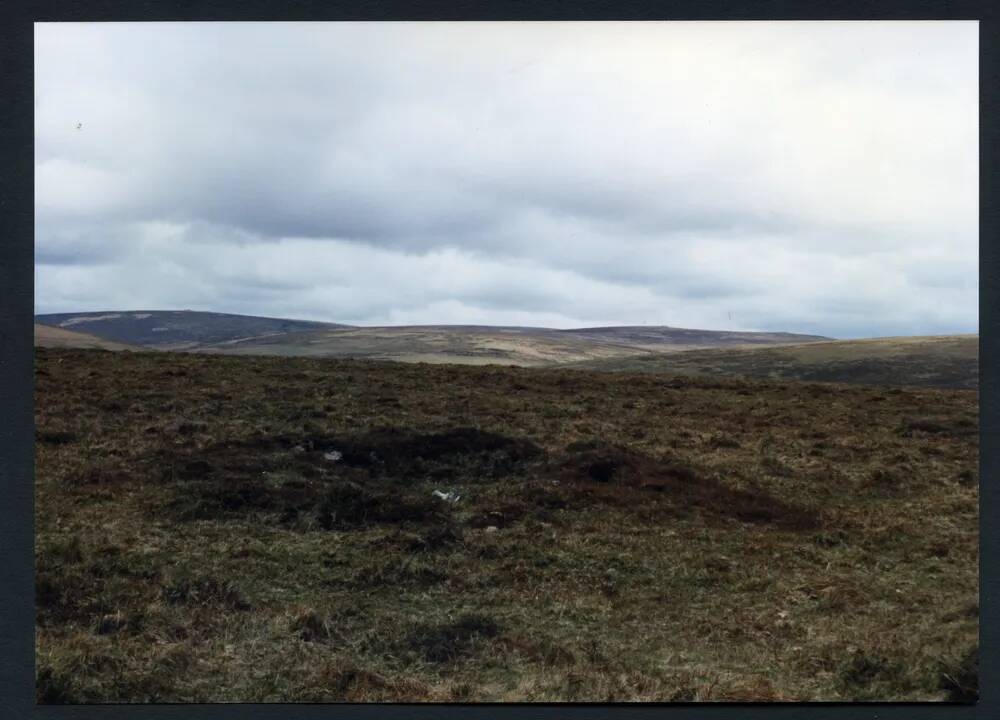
{"x": 47, "y": 336}
{"x": 947, "y": 361}
{"x": 618, "y": 537}
{"x": 465, "y": 346}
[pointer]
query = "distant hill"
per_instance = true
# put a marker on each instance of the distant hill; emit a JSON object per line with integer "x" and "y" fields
{"x": 483, "y": 344}
{"x": 664, "y": 338}
{"x": 46, "y": 336}
{"x": 175, "y": 329}
{"x": 463, "y": 344}
{"x": 948, "y": 361}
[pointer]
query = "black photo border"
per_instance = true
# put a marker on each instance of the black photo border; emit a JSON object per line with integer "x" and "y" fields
{"x": 17, "y": 612}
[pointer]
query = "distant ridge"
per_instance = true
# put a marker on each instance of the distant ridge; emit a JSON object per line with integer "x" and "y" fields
{"x": 176, "y": 329}
{"x": 945, "y": 361}
{"x": 655, "y": 337}
{"x": 228, "y": 333}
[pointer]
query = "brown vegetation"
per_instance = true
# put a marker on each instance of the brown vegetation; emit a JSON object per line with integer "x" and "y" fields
{"x": 945, "y": 361}
{"x": 47, "y": 336}
{"x": 263, "y": 529}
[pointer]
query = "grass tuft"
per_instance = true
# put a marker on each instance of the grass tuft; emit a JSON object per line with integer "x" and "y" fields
{"x": 221, "y": 529}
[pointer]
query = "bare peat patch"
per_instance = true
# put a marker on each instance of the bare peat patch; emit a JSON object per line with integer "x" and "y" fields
{"x": 683, "y": 486}
{"x": 338, "y": 481}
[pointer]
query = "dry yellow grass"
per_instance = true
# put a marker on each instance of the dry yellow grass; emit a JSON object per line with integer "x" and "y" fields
{"x": 55, "y": 337}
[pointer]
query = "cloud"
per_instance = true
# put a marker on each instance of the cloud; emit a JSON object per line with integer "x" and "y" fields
{"x": 820, "y": 177}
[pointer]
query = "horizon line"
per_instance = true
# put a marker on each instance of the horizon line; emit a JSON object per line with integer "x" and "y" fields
{"x": 481, "y": 325}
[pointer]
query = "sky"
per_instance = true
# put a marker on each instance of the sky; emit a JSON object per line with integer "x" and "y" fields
{"x": 817, "y": 177}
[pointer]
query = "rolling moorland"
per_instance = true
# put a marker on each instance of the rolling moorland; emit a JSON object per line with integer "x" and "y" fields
{"x": 463, "y": 344}
{"x": 949, "y": 361}
{"x": 942, "y": 361}
{"x": 48, "y": 336}
{"x": 217, "y": 528}
{"x": 485, "y": 345}
{"x": 176, "y": 329}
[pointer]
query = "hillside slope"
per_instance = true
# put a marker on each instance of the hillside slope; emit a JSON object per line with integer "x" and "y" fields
{"x": 950, "y": 361}
{"x": 670, "y": 339}
{"x": 441, "y": 344}
{"x": 462, "y": 344}
{"x": 55, "y": 337}
{"x": 486, "y": 345}
{"x": 175, "y": 329}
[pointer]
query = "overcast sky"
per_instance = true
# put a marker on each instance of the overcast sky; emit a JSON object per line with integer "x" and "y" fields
{"x": 809, "y": 177}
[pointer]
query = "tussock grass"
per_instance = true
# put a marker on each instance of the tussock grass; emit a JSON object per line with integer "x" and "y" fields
{"x": 618, "y": 537}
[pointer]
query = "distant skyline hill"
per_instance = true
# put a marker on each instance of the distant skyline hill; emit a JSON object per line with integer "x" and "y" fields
{"x": 942, "y": 361}
{"x": 175, "y": 329}
{"x": 228, "y": 333}
{"x": 655, "y": 337}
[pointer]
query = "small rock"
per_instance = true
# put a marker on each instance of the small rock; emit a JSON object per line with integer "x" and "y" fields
{"x": 491, "y": 528}
{"x": 333, "y": 455}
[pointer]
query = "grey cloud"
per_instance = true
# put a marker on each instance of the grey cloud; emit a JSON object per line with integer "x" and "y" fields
{"x": 581, "y": 174}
